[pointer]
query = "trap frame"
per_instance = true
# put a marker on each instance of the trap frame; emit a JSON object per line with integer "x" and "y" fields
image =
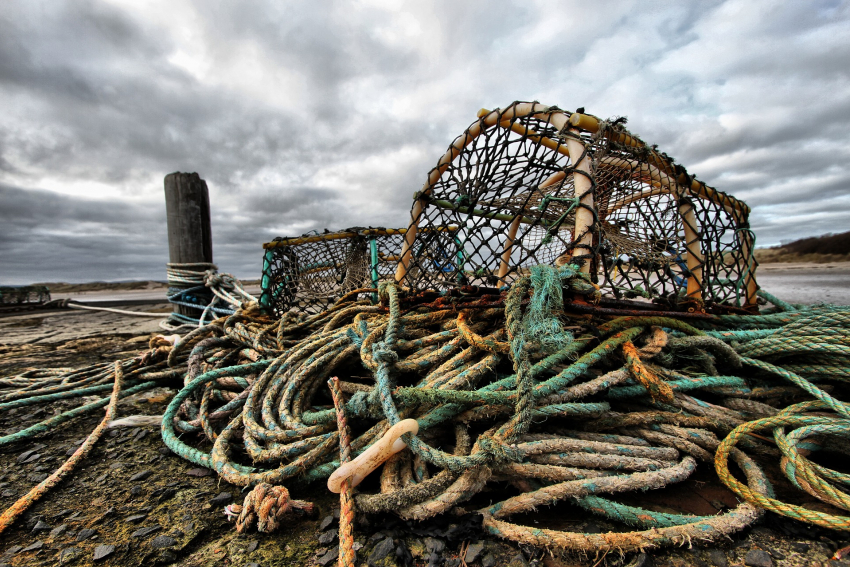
{"x": 533, "y": 184}
{"x": 310, "y": 272}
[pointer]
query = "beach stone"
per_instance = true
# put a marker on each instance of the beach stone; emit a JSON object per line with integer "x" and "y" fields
{"x": 473, "y": 551}
{"x": 39, "y": 527}
{"x": 252, "y": 545}
{"x": 329, "y": 557}
{"x": 59, "y": 531}
{"x": 489, "y": 560}
{"x": 143, "y": 532}
{"x": 135, "y": 519}
{"x": 326, "y": 522}
{"x": 140, "y": 476}
{"x": 85, "y": 534}
{"x": 758, "y": 558}
{"x": 103, "y": 551}
{"x": 163, "y": 541}
{"x": 327, "y": 537}
{"x": 221, "y": 498}
{"x": 35, "y": 546}
{"x": 198, "y": 473}
{"x": 381, "y": 551}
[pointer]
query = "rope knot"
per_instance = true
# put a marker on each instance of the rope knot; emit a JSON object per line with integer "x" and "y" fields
{"x": 500, "y": 451}
{"x": 383, "y": 354}
{"x": 265, "y": 506}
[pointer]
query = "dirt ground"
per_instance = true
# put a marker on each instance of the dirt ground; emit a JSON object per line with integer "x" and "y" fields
{"x": 132, "y": 502}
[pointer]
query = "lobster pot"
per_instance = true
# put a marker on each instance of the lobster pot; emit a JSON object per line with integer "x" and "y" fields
{"x": 310, "y": 273}
{"x": 533, "y": 184}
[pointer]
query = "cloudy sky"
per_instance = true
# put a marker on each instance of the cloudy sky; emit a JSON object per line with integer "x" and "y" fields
{"x": 305, "y": 115}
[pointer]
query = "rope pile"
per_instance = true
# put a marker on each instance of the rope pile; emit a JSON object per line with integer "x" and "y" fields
{"x": 507, "y": 388}
{"x": 562, "y": 407}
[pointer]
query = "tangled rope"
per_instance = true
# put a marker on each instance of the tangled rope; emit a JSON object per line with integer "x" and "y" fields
{"x": 564, "y": 408}
{"x": 201, "y": 287}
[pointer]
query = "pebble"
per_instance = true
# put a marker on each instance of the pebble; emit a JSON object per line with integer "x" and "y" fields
{"x": 40, "y": 526}
{"x": 33, "y": 546}
{"x": 135, "y": 519}
{"x": 717, "y": 558}
{"x": 167, "y": 494}
{"x": 9, "y": 492}
{"x": 163, "y": 541}
{"x": 327, "y": 537}
{"x": 326, "y": 522}
{"x": 142, "y": 532}
{"x": 136, "y": 490}
{"x": 758, "y": 558}
{"x": 165, "y": 451}
{"x": 10, "y": 552}
{"x": 103, "y": 551}
{"x": 25, "y": 455}
{"x": 434, "y": 545}
{"x": 36, "y": 478}
{"x": 252, "y": 545}
{"x": 140, "y": 476}
{"x": 473, "y": 551}
{"x": 221, "y": 498}
{"x": 329, "y": 557}
{"x": 489, "y": 560}
{"x": 200, "y": 472}
{"x": 101, "y": 478}
{"x": 382, "y": 550}
{"x": 69, "y": 554}
{"x": 58, "y": 530}
{"x": 85, "y": 534}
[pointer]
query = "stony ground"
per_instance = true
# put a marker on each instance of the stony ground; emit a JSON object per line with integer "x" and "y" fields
{"x": 133, "y": 502}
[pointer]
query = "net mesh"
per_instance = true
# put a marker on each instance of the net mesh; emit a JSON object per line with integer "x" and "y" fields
{"x": 655, "y": 233}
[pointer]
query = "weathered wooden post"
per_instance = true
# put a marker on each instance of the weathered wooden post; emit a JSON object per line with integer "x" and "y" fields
{"x": 187, "y": 208}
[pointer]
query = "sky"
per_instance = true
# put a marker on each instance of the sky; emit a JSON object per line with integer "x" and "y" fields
{"x": 311, "y": 115}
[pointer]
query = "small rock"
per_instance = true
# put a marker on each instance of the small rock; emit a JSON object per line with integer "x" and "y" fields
{"x": 327, "y": 537}
{"x": 103, "y": 551}
{"x": 85, "y": 534}
{"x": 136, "y": 490}
{"x": 32, "y": 459}
{"x": 69, "y": 554}
{"x": 140, "y": 476}
{"x": 329, "y": 557}
{"x": 63, "y": 513}
{"x": 434, "y": 545}
{"x": 200, "y": 472}
{"x": 326, "y": 522}
{"x": 162, "y": 541}
{"x": 135, "y": 519}
{"x": 36, "y": 478}
{"x": 758, "y": 558}
{"x": 252, "y": 545}
{"x": 101, "y": 478}
{"x": 717, "y": 558}
{"x": 473, "y": 551}
{"x": 140, "y": 435}
{"x": 40, "y": 527}
{"x": 382, "y": 550}
{"x": 165, "y": 451}
{"x": 221, "y": 498}
{"x": 142, "y": 532}
{"x": 10, "y": 552}
{"x": 58, "y": 531}
{"x": 25, "y": 455}
{"x": 166, "y": 557}
{"x": 489, "y": 560}
{"x": 33, "y": 546}
{"x": 8, "y": 493}
{"x": 68, "y": 453}
{"x": 167, "y": 494}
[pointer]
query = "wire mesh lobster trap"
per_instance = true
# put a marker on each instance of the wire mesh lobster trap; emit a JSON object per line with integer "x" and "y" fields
{"x": 533, "y": 184}
{"x": 311, "y": 272}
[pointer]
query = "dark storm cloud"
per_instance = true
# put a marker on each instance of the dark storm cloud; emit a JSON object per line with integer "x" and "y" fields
{"x": 330, "y": 115}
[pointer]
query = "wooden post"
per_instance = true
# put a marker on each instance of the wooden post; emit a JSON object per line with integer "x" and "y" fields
{"x": 692, "y": 248}
{"x": 187, "y": 208}
{"x": 584, "y": 215}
